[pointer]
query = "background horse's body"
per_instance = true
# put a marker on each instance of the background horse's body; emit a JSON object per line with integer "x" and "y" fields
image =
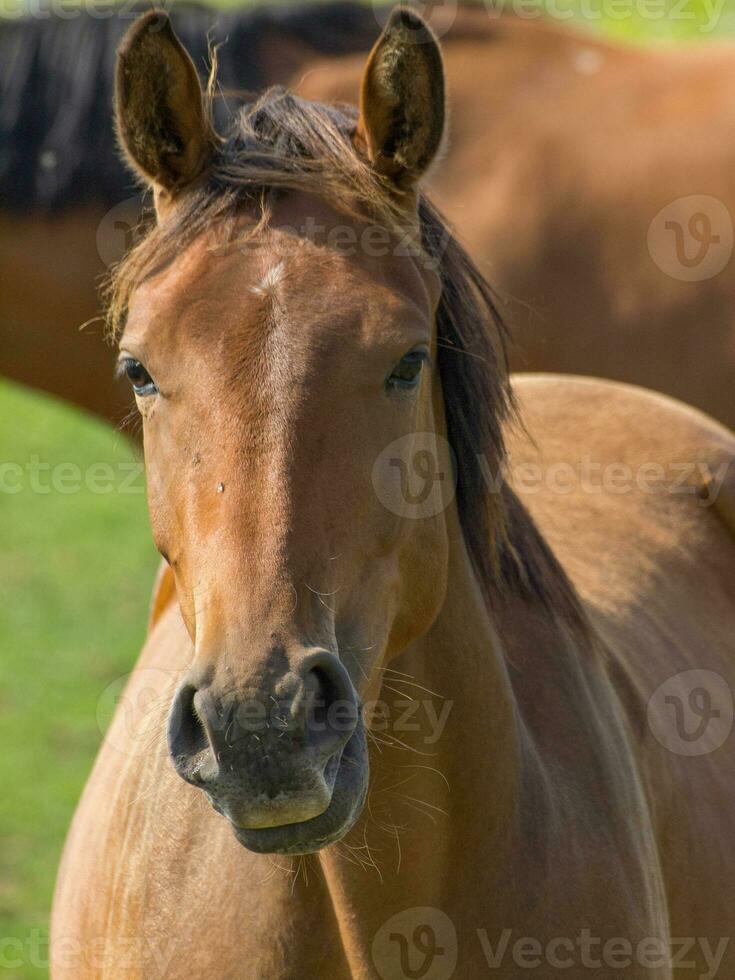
{"x": 561, "y": 813}
{"x": 563, "y": 150}
{"x": 53, "y": 272}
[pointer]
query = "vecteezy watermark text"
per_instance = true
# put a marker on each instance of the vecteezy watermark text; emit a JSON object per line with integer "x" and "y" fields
{"x": 141, "y": 710}
{"x": 595, "y": 953}
{"x": 415, "y": 476}
{"x": 423, "y": 942}
{"x": 42, "y": 477}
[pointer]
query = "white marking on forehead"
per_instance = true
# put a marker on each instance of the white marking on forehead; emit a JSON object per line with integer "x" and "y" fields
{"x": 268, "y": 285}
{"x": 587, "y": 61}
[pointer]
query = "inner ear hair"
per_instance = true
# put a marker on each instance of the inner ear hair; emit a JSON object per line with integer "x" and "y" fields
{"x": 163, "y": 126}
{"x": 402, "y": 100}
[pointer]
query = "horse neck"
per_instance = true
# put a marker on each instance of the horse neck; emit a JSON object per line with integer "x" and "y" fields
{"x": 532, "y": 717}
{"x": 434, "y": 796}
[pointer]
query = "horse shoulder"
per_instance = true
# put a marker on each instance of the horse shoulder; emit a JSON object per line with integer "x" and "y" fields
{"x": 671, "y": 459}
{"x": 645, "y": 533}
{"x": 635, "y": 493}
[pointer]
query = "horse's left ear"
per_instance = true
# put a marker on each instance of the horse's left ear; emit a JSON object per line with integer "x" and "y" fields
{"x": 161, "y": 120}
{"x": 402, "y": 108}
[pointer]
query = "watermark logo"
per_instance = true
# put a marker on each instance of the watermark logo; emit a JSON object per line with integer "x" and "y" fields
{"x": 414, "y": 476}
{"x": 691, "y": 713}
{"x": 416, "y": 944}
{"x": 132, "y": 711}
{"x": 119, "y": 230}
{"x": 440, "y": 15}
{"x": 691, "y": 239}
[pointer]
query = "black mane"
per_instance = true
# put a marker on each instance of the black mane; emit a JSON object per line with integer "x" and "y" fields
{"x": 57, "y": 145}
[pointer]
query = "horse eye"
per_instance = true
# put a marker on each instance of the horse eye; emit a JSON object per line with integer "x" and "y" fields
{"x": 407, "y": 372}
{"x": 143, "y": 384}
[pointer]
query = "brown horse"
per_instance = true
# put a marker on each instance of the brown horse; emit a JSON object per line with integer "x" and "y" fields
{"x": 594, "y": 182}
{"x": 432, "y": 748}
{"x": 69, "y": 209}
{"x": 554, "y": 181}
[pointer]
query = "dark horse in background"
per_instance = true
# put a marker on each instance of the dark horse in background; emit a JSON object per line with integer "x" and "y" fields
{"x": 68, "y": 208}
{"x": 593, "y": 181}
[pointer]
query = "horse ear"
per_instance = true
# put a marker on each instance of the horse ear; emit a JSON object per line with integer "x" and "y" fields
{"x": 160, "y": 116}
{"x": 402, "y": 110}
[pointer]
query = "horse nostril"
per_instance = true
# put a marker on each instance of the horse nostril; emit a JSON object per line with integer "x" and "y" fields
{"x": 328, "y": 704}
{"x": 188, "y": 742}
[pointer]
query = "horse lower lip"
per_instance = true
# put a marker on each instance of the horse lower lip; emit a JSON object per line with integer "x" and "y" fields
{"x": 317, "y": 833}
{"x": 293, "y": 840}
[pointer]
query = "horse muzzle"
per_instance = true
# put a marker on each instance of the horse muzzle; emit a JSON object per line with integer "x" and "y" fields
{"x": 285, "y": 761}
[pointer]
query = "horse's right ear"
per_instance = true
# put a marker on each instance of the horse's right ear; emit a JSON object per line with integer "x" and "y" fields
{"x": 402, "y": 112}
{"x": 161, "y": 121}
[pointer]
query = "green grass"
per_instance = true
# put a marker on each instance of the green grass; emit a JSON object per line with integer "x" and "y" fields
{"x": 75, "y": 571}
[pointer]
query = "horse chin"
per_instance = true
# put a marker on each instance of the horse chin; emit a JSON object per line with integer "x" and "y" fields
{"x": 309, "y": 836}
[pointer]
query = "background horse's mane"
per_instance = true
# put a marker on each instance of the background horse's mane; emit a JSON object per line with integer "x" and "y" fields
{"x": 280, "y": 144}
{"x": 57, "y": 69}
{"x": 57, "y": 145}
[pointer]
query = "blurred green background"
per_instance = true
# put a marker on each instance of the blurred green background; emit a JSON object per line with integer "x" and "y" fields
{"x": 76, "y": 570}
{"x": 635, "y": 20}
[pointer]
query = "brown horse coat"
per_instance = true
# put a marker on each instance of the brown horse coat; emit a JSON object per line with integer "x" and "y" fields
{"x": 539, "y": 797}
{"x": 563, "y": 150}
{"x": 157, "y": 878}
{"x": 68, "y": 208}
